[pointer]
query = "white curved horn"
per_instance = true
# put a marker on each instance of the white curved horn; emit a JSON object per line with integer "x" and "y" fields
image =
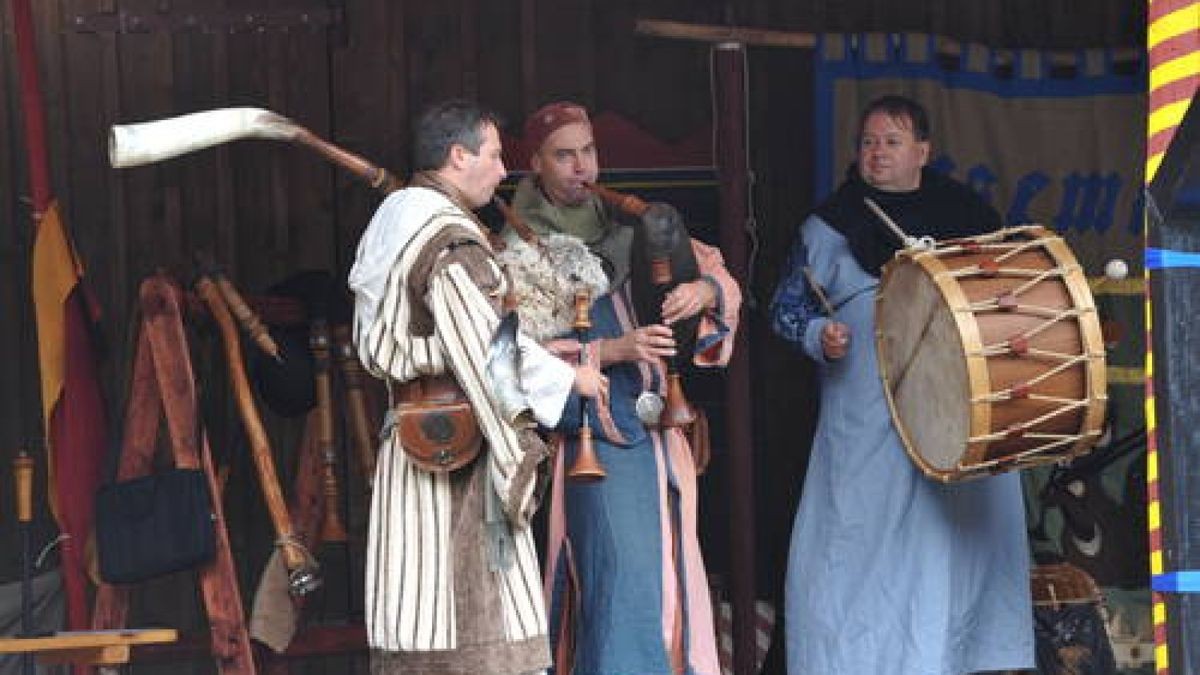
{"x": 148, "y": 142}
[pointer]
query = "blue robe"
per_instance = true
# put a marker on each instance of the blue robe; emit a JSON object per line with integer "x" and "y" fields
{"x": 889, "y": 572}
{"x": 614, "y": 532}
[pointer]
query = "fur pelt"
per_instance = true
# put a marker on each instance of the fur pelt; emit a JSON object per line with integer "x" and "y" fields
{"x": 545, "y": 277}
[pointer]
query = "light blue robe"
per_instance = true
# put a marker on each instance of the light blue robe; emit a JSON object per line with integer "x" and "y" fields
{"x": 889, "y": 572}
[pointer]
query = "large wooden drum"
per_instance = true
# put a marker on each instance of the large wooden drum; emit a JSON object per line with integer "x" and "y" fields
{"x": 991, "y": 353}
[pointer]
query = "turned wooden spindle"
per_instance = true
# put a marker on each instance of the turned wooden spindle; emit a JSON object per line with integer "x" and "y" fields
{"x": 332, "y": 528}
{"x": 357, "y": 415}
{"x": 246, "y": 317}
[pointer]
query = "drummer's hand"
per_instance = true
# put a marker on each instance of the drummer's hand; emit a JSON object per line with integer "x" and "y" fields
{"x": 835, "y": 340}
{"x": 687, "y": 300}
{"x": 646, "y": 343}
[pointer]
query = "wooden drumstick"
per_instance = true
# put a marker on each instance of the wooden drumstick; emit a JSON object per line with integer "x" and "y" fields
{"x": 891, "y": 224}
{"x": 924, "y": 243}
{"x": 825, "y": 304}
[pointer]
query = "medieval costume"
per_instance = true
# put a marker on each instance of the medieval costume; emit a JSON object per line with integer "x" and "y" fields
{"x": 625, "y": 579}
{"x": 452, "y": 578}
{"x": 888, "y": 571}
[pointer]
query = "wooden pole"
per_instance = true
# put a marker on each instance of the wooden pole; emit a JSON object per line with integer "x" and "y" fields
{"x": 32, "y": 109}
{"x": 724, "y": 34}
{"x": 733, "y": 177}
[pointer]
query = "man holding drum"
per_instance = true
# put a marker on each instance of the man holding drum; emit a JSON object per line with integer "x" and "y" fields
{"x": 890, "y": 572}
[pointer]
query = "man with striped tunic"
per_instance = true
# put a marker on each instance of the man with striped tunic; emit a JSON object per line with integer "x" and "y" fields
{"x": 452, "y": 579}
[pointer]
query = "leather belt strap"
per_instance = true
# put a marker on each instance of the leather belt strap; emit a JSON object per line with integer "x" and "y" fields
{"x": 430, "y": 388}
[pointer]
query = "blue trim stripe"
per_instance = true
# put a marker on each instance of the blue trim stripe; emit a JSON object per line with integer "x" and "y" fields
{"x": 1161, "y": 258}
{"x": 856, "y": 65}
{"x": 1186, "y": 581}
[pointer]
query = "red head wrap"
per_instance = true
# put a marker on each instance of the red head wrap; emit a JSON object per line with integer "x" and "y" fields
{"x": 548, "y": 119}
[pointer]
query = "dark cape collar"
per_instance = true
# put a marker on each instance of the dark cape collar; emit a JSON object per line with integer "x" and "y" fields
{"x": 941, "y": 208}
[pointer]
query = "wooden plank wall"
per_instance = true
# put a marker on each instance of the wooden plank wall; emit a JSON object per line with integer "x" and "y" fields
{"x": 266, "y": 210}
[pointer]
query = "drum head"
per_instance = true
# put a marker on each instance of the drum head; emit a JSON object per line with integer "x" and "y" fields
{"x": 923, "y": 365}
{"x": 990, "y": 353}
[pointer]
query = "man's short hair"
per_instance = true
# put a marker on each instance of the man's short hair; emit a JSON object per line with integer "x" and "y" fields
{"x": 444, "y": 125}
{"x": 895, "y": 106}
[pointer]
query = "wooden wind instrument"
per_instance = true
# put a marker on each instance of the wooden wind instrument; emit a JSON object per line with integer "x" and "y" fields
{"x": 677, "y": 411}
{"x": 332, "y": 528}
{"x": 514, "y": 219}
{"x": 246, "y": 317}
{"x": 586, "y": 467}
{"x": 303, "y": 576}
{"x": 357, "y": 415}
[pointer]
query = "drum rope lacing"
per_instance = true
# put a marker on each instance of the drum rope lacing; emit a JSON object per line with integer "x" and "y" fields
{"x": 1019, "y": 344}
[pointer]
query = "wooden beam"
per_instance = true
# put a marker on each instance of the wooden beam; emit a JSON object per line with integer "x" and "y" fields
{"x": 103, "y": 647}
{"x": 797, "y": 40}
{"x": 704, "y": 33}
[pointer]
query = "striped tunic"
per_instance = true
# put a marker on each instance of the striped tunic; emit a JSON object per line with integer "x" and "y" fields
{"x": 434, "y": 602}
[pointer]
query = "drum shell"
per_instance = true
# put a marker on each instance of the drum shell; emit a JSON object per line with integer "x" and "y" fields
{"x": 941, "y": 341}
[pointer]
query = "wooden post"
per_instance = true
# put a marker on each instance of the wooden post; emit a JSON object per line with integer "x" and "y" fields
{"x": 733, "y": 178}
{"x": 733, "y": 175}
{"x": 725, "y": 35}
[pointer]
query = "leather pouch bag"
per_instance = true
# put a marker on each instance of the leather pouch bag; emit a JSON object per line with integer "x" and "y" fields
{"x": 153, "y": 525}
{"x": 438, "y": 436}
{"x": 437, "y": 426}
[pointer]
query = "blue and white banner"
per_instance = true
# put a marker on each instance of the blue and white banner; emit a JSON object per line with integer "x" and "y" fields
{"x": 1054, "y": 138}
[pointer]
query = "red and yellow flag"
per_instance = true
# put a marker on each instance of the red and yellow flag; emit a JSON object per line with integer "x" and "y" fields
{"x": 73, "y": 412}
{"x": 76, "y": 428}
